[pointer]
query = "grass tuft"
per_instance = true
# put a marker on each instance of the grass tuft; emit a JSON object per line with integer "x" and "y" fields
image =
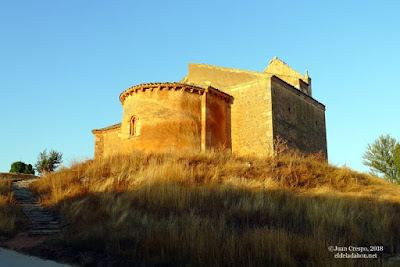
{"x": 7, "y": 208}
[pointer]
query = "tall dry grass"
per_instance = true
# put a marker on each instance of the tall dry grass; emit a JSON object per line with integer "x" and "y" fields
{"x": 220, "y": 209}
{"x": 7, "y": 208}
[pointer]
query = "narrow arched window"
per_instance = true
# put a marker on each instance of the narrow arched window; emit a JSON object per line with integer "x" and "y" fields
{"x": 134, "y": 128}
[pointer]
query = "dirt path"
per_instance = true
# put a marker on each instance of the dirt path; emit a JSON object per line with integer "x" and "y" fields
{"x": 42, "y": 221}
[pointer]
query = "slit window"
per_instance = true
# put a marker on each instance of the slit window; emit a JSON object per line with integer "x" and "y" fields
{"x": 134, "y": 127}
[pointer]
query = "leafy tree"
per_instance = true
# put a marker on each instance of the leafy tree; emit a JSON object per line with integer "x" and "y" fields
{"x": 383, "y": 157}
{"x": 29, "y": 169}
{"x": 48, "y": 162}
{"x": 21, "y": 167}
{"x": 397, "y": 161}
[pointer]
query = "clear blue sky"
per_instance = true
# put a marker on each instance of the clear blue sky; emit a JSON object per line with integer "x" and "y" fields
{"x": 63, "y": 64}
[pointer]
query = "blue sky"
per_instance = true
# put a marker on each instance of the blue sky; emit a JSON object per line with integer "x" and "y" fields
{"x": 63, "y": 64}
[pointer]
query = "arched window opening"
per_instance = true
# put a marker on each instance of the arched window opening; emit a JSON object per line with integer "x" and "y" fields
{"x": 134, "y": 129}
{"x": 132, "y": 126}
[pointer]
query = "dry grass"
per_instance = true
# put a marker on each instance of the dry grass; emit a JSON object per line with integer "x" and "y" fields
{"x": 8, "y": 212}
{"x": 218, "y": 209}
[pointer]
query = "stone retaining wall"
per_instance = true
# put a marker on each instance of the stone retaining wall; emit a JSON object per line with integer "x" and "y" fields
{"x": 16, "y": 176}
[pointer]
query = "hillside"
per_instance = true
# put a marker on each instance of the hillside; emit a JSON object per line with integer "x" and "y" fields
{"x": 7, "y": 208}
{"x": 217, "y": 209}
{"x": 12, "y": 220}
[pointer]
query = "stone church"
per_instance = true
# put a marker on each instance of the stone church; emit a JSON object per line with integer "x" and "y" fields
{"x": 219, "y": 108}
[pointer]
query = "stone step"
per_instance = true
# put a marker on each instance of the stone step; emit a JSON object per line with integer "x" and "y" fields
{"x": 45, "y": 221}
{"x": 23, "y": 198}
{"x": 50, "y": 224}
{"x": 44, "y": 232}
{"x": 41, "y": 212}
{"x": 42, "y": 220}
{"x": 22, "y": 191}
{"x": 45, "y": 227}
{"x": 34, "y": 208}
{"x": 42, "y": 217}
{"x": 38, "y": 215}
{"x": 29, "y": 206}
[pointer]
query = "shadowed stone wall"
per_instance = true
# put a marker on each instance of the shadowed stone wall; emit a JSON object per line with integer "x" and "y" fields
{"x": 216, "y": 122}
{"x": 298, "y": 118}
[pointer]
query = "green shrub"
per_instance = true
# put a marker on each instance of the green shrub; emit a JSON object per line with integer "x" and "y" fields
{"x": 21, "y": 167}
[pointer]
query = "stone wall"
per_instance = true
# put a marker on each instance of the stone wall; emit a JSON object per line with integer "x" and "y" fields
{"x": 98, "y": 145}
{"x": 178, "y": 116}
{"x": 111, "y": 142}
{"x": 298, "y": 118}
{"x": 218, "y": 77}
{"x": 252, "y": 117}
{"x": 216, "y": 122}
{"x": 284, "y": 72}
{"x": 168, "y": 117}
{"x": 16, "y": 176}
{"x": 106, "y": 141}
{"x": 251, "y": 111}
{"x": 169, "y": 120}
{"x": 260, "y": 113}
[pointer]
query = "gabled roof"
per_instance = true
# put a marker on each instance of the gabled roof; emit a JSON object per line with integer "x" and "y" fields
{"x": 279, "y": 67}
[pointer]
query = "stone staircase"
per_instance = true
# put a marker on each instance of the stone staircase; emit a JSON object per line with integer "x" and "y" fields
{"x": 42, "y": 220}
